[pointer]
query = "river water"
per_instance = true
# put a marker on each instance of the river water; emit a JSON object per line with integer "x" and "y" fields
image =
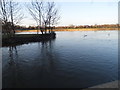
{"x": 77, "y": 59}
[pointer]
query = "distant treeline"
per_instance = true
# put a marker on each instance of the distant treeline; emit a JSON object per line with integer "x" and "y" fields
{"x": 90, "y": 26}
{"x": 70, "y": 27}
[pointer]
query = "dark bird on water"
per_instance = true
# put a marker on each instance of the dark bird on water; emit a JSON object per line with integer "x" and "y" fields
{"x": 85, "y": 35}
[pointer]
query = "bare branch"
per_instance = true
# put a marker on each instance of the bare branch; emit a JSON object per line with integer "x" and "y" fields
{"x": 35, "y": 10}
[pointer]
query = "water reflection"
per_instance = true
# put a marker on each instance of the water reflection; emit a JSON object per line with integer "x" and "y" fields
{"x": 108, "y": 34}
{"x": 17, "y": 73}
{"x": 71, "y": 60}
{"x": 11, "y": 68}
{"x": 47, "y": 56}
{"x": 12, "y": 52}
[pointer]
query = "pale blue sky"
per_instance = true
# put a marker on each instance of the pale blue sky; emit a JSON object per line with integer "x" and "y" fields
{"x": 84, "y": 13}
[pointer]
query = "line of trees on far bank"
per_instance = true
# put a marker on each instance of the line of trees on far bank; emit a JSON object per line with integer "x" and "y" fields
{"x": 45, "y": 14}
{"x": 70, "y": 27}
{"x": 88, "y": 26}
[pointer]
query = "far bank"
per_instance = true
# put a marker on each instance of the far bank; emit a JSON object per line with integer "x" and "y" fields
{"x": 80, "y": 29}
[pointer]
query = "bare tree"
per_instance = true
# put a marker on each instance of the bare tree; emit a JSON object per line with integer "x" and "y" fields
{"x": 3, "y": 10}
{"x": 35, "y": 10}
{"x": 54, "y": 17}
{"x": 15, "y": 14}
{"x": 10, "y": 15}
{"x": 50, "y": 16}
{"x": 44, "y": 13}
{"x": 4, "y": 14}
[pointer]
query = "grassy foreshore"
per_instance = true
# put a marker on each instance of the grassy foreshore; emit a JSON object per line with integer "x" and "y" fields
{"x": 25, "y": 38}
{"x": 74, "y": 29}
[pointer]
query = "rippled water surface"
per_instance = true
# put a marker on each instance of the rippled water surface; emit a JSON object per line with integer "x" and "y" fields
{"x": 76, "y": 59}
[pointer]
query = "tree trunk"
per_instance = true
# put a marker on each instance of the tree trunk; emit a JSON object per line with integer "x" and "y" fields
{"x": 11, "y": 12}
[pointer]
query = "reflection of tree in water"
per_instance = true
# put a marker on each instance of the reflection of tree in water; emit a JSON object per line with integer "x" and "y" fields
{"x": 49, "y": 63}
{"x": 12, "y": 52}
{"x": 11, "y": 69}
{"x": 19, "y": 73}
{"x": 48, "y": 56}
